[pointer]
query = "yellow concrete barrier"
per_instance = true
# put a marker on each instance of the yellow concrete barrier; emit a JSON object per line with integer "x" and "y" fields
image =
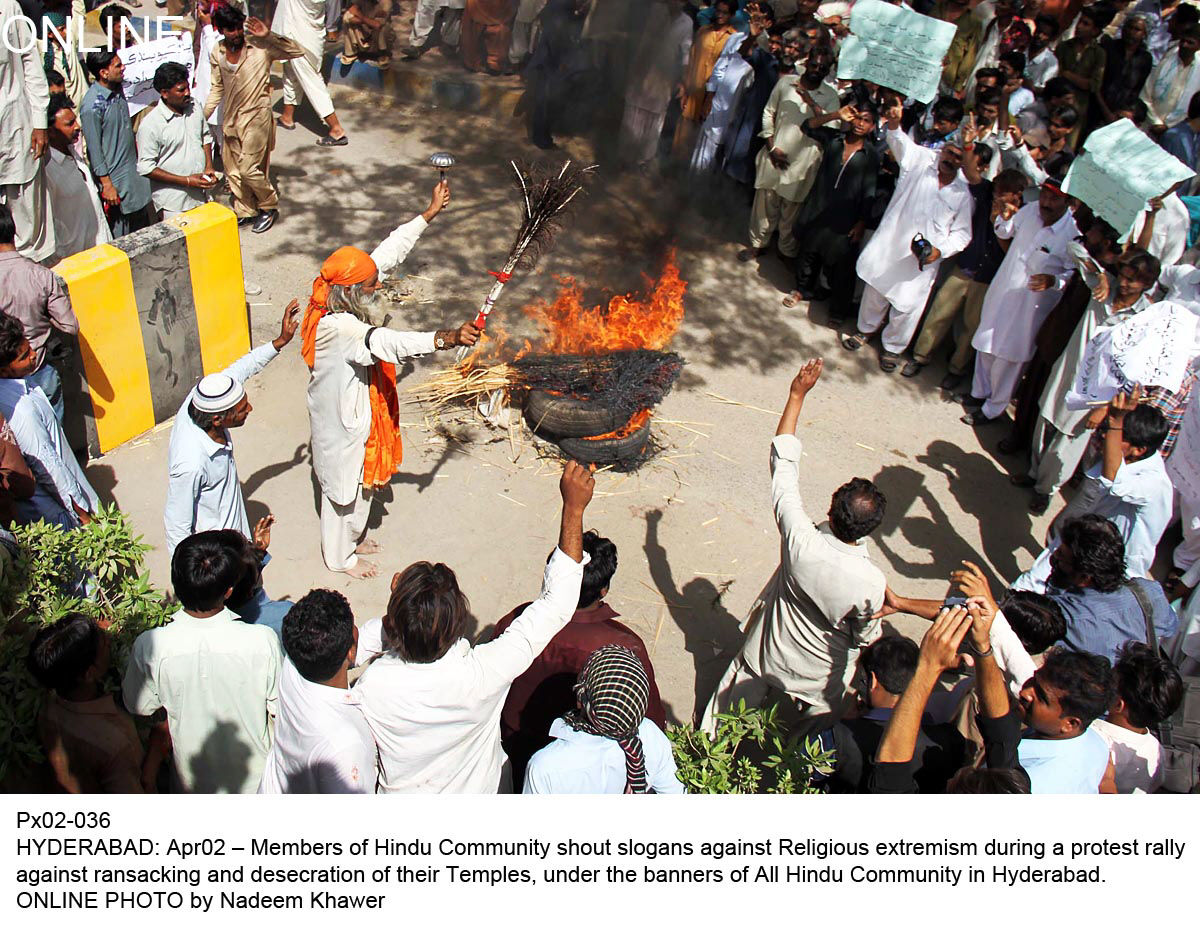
{"x": 157, "y": 310}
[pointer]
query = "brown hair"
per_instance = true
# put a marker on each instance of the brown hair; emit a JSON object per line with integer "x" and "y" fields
{"x": 426, "y": 614}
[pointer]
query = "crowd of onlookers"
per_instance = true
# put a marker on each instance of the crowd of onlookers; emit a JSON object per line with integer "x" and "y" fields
{"x": 954, "y": 219}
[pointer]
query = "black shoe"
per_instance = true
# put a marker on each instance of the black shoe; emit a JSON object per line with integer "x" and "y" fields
{"x": 951, "y": 380}
{"x": 1022, "y": 480}
{"x": 911, "y": 369}
{"x": 1039, "y": 503}
{"x": 976, "y": 418}
{"x": 246, "y": 221}
{"x": 967, "y": 400}
{"x": 1009, "y": 445}
{"x": 411, "y": 52}
{"x": 265, "y": 221}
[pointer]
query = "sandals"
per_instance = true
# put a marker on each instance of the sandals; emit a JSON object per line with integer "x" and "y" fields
{"x": 854, "y": 342}
{"x": 793, "y": 299}
{"x": 888, "y": 363}
{"x": 330, "y": 142}
{"x": 284, "y": 125}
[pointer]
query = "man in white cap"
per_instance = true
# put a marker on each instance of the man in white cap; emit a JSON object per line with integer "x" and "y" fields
{"x": 203, "y": 492}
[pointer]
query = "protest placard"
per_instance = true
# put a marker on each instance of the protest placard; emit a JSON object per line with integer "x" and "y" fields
{"x": 894, "y": 47}
{"x": 141, "y": 61}
{"x": 1152, "y": 348}
{"x": 1121, "y": 169}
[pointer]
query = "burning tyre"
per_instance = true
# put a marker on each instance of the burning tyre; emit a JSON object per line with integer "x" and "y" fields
{"x": 557, "y": 415}
{"x": 624, "y": 448}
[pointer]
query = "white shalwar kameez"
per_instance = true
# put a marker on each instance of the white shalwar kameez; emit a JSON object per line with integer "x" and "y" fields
{"x": 1061, "y": 436}
{"x": 24, "y": 97}
{"x": 1013, "y": 312}
{"x": 897, "y": 288}
{"x": 731, "y": 76}
{"x": 655, "y": 72}
{"x": 306, "y": 22}
{"x": 425, "y": 17}
{"x": 339, "y": 404}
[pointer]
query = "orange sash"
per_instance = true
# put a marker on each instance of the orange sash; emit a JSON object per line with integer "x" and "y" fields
{"x": 350, "y": 266}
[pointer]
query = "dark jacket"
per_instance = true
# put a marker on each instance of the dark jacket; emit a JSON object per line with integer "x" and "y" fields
{"x": 546, "y": 690}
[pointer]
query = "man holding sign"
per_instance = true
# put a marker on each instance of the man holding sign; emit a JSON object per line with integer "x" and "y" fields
{"x": 928, "y": 219}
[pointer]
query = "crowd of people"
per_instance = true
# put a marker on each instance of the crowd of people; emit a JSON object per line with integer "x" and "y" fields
{"x": 951, "y": 216}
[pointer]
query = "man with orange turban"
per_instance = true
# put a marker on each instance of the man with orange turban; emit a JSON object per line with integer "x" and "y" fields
{"x": 353, "y": 410}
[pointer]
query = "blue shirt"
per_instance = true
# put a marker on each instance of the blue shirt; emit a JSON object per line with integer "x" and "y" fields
{"x": 1182, "y": 142}
{"x": 108, "y": 131}
{"x": 1065, "y": 765}
{"x": 1102, "y": 622}
{"x": 60, "y": 483}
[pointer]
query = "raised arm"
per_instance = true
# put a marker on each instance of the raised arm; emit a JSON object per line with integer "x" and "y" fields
{"x": 250, "y": 364}
{"x": 939, "y": 653}
{"x": 510, "y": 654}
{"x": 399, "y": 243}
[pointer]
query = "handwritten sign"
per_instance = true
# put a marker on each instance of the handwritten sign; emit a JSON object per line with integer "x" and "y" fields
{"x": 142, "y": 60}
{"x": 1152, "y": 348}
{"x": 1121, "y": 169}
{"x": 896, "y": 48}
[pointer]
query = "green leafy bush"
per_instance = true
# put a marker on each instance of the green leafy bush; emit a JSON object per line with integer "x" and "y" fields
{"x": 752, "y": 753}
{"x": 94, "y": 570}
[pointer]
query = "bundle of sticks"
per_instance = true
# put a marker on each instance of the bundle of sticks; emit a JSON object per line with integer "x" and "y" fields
{"x": 544, "y": 198}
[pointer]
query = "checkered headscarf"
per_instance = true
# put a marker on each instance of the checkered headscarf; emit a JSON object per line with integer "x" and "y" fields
{"x": 613, "y": 691}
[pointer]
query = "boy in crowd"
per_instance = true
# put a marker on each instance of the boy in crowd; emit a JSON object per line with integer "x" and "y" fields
{"x": 217, "y": 677}
{"x": 90, "y": 741}
{"x": 1149, "y": 691}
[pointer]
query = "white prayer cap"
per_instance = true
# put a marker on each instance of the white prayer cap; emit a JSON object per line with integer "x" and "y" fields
{"x": 217, "y": 393}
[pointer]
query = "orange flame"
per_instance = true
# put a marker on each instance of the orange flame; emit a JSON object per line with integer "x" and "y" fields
{"x": 636, "y": 422}
{"x": 625, "y": 323}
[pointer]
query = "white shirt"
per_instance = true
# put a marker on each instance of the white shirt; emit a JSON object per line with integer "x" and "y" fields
{"x": 437, "y": 724}
{"x": 24, "y": 96}
{"x": 322, "y": 742}
{"x": 218, "y": 679}
{"x": 304, "y": 21}
{"x": 1139, "y": 500}
{"x": 580, "y": 763}
{"x": 1011, "y": 656}
{"x": 174, "y": 143}
{"x": 203, "y": 491}
{"x": 60, "y": 481}
{"x": 659, "y": 59}
{"x": 919, "y": 205}
{"x": 1170, "y": 87}
{"x": 1137, "y": 757}
{"x": 1041, "y": 68}
{"x": 1012, "y": 312}
{"x": 339, "y": 401}
{"x": 79, "y": 221}
{"x": 1181, "y": 283}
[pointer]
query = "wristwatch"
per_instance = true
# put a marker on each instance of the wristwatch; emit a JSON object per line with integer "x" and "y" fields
{"x": 439, "y": 341}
